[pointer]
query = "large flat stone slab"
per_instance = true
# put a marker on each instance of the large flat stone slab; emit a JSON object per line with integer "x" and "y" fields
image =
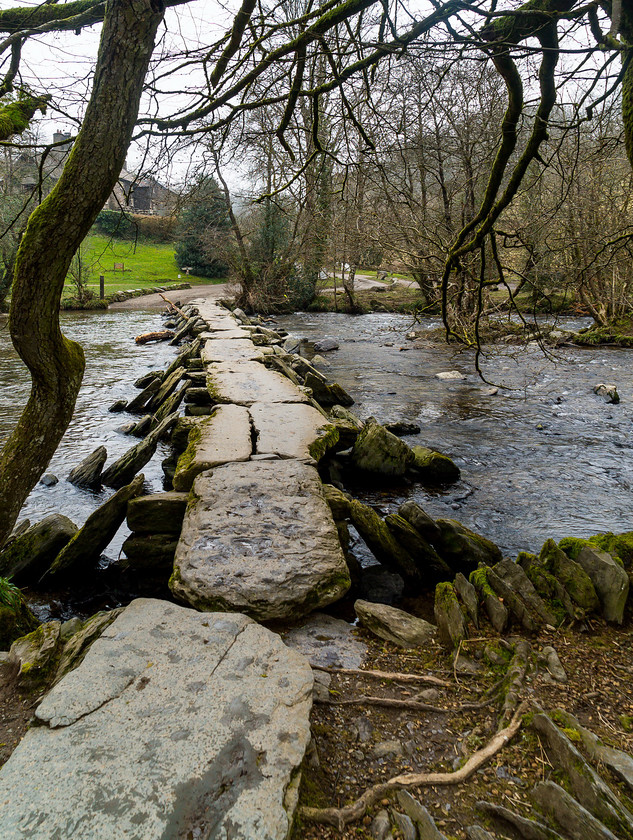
{"x": 230, "y": 350}
{"x": 235, "y": 333}
{"x": 291, "y": 430}
{"x": 245, "y": 383}
{"x": 223, "y": 437}
{"x": 176, "y": 724}
{"x": 258, "y": 537}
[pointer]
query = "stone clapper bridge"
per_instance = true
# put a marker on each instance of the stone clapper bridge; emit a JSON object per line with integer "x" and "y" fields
{"x": 186, "y": 722}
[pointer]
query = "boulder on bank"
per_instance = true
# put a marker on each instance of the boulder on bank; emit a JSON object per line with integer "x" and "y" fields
{"x": 572, "y": 576}
{"x": 610, "y": 581}
{"x": 379, "y": 452}
{"x": 395, "y": 625}
{"x": 88, "y": 472}
{"x": 517, "y": 592}
{"x": 87, "y": 545}
{"x": 451, "y": 624}
{"x": 463, "y": 549}
{"x": 433, "y": 467}
{"x": 28, "y": 556}
{"x": 36, "y": 656}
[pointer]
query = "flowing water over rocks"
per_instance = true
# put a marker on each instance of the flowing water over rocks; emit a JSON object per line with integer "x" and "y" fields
{"x": 544, "y": 457}
{"x": 113, "y": 363}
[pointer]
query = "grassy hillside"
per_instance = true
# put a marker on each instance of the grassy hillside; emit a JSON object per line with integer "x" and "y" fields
{"x": 144, "y": 264}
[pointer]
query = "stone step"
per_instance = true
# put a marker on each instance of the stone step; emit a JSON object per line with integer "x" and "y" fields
{"x": 245, "y": 383}
{"x": 258, "y": 537}
{"x": 176, "y": 724}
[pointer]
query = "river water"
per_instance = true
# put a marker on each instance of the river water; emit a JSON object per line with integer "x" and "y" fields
{"x": 113, "y": 362}
{"x": 543, "y": 458}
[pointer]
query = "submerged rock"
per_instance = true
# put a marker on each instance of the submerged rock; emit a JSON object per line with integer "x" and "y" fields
{"x": 400, "y": 428}
{"x": 608, "y": 392}
{"x": 378, "y": 451}
{"x": 324, "y": 345}
{"x": 433, "y": 467}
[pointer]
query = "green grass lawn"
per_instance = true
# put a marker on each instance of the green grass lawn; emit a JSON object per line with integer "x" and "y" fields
{"x": 145, "y": 264}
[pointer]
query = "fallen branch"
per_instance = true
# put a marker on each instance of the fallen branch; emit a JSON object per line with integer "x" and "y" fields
{"x": 340, "y": 817}
{"x": 388, "y": 702}
{"x": 173, "y": 306}
{"x": 163, "y": 335}
{"x": 384, "y": 675}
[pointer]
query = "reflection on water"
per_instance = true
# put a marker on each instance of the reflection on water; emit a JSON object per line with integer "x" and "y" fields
{"x": 113, "y": 362}
{"x": 545, "y": 457}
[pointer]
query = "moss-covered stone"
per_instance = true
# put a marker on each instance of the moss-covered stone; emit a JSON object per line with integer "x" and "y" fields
{"x": 327, "y": 438}
{"x": 462, "y": 548}
{"x": 37, "y": 655}
{"x": 449, "y": 617}
{"x": 572, "y": 576}
{"x": 379, "y": 452}
{"x": 382, "y": 544}
{"x": 496, "y": 610}
{"x": 30, "y": 555}
{"x": 338, "y": 501}
{"x": 77, "y": 646}
{"x": 619, "y": 546}
{"x": 433, "y": 467}
{"x": 16, "y": 619}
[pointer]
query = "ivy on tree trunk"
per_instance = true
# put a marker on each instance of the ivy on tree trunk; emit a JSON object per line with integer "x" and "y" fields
{"x": 53, "y": 235}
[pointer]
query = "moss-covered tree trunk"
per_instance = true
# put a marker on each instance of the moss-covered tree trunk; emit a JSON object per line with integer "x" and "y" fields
{"x": 54, "y": 232}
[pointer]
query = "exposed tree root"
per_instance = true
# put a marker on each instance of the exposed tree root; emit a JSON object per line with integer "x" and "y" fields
{"x": 385, "y": 675}
{"x": 340, "y": 817}
{"x": 389, "y": 702}
{"x": 515, "y": 678}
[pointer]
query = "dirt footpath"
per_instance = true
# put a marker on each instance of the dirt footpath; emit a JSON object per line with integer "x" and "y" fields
{"x": 155, "y": 301}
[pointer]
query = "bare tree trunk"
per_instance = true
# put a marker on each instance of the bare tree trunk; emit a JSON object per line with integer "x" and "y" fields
{"x": 54, "y": 232}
